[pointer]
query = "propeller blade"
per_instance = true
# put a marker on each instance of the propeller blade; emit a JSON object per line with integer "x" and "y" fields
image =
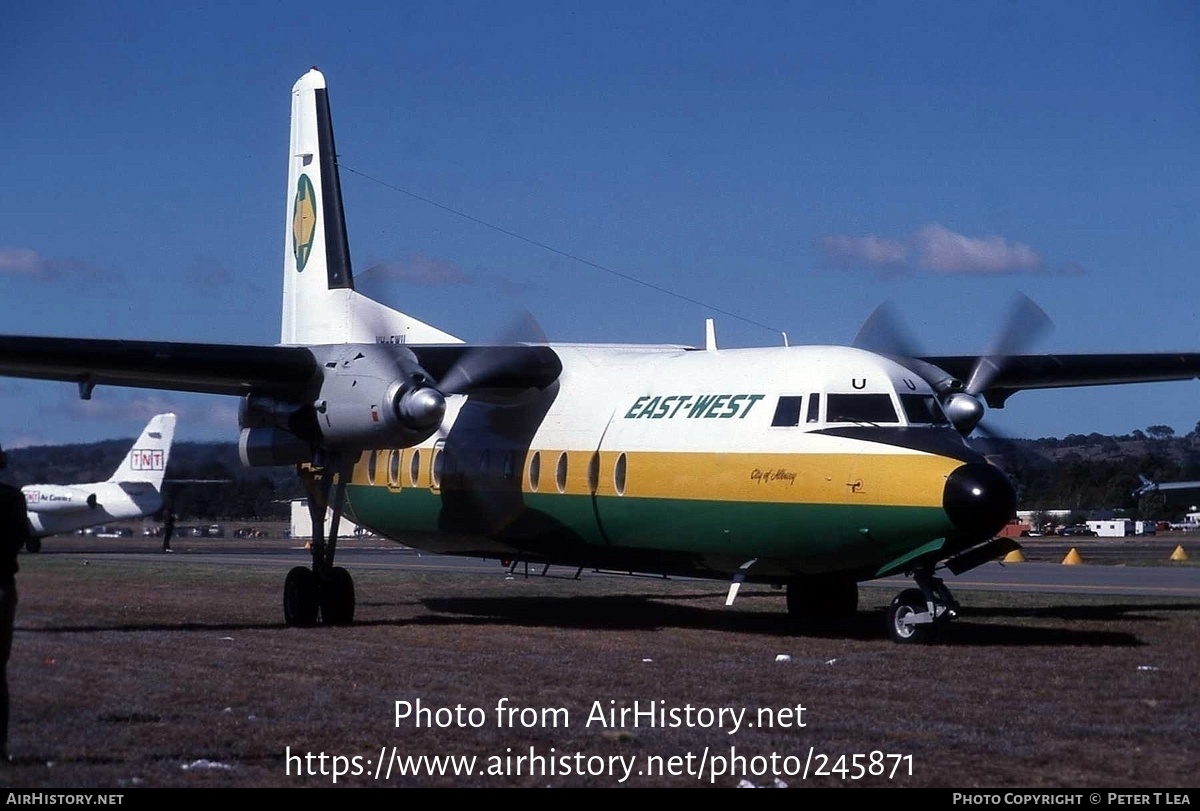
{"x": 481, "y": 366}
{"x": 1024, "y": 325}
{"x": 523, "y": 328}
{"x": 884, "y": 332}
{"x": 515, "y": 366}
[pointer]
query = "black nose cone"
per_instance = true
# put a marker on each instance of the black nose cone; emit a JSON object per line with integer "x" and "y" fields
{"x": 979, "y": 499}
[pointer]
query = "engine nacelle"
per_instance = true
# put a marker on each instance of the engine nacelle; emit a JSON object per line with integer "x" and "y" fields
{"x": 50, "y": 498}
{"x": 371, "y": 396}
{"x": 269, "y": 447}
{"x": 376, "y": 396}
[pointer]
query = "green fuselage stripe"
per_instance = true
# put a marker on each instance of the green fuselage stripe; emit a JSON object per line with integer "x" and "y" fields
{"x": 824, "y": 536}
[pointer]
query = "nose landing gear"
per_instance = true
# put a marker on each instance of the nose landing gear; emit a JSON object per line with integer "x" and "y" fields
{"x": 916, "y": 615}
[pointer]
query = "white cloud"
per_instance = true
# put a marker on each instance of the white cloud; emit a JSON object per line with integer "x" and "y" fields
{"x": 32, "y": 265}
{"x": 109, "y": 406}
{"x": 870, "y": 250}
{"x": 937, "y": 249}
{"x": 21, "y": 262}
{"x": 943, "y": 251}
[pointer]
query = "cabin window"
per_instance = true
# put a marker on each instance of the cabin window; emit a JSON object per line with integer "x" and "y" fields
{"x": 509, "y": 465}
{"x": 437, "y": 468}
{"x": 814, "y": 408}
{"x": 560, "y": 472}
{"x": 414, "y": 467}
{"x": 394, "y": 468}
{"x": 484, "y": 464}
{"x": 787, "y": 412}
{"x": 619, "y": 475}
{"x": 922, "y": 409}
{"x": 875, "y": 408}
{"x": 535, "y": 470}
{"x": 372, "y": 466}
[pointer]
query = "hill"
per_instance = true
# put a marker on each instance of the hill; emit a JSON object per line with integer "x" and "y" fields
{"x": 1096, "y": 472}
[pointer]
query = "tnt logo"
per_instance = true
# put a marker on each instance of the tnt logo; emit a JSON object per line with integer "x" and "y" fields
{"x": 146, "y": 459}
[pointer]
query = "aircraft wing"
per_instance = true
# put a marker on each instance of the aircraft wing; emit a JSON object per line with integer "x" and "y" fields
{"x": 291, "y": 372}
{"x": 205, "y": 368}
{"x": 1020, "y": 372}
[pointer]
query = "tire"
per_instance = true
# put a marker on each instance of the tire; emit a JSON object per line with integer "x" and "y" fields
{"x": 33, "y": 545}
{"x": 906, "y": 603}
{"x": 337, "y": 598}
{"x": 300, "y": 603}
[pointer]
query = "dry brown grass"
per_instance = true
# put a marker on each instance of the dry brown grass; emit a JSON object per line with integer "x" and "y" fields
{"x": 124, "y": 674}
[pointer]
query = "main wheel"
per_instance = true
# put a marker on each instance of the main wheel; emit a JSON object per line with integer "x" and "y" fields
{"x": 33, "y": 545}
{"x": 300, "y": 602}
{"x": 337, "y": 598}
{"x": 905, "y": 605}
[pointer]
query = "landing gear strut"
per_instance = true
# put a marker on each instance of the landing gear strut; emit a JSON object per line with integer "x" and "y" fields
{"x": 916, "y": 615}
{"x": 324, "y": 593}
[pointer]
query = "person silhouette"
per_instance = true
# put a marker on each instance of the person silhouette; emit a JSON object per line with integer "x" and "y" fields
{"x": 14, "y": 534}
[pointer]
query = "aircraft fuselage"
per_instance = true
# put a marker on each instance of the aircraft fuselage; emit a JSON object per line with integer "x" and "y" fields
{"x": 666, "y": 459}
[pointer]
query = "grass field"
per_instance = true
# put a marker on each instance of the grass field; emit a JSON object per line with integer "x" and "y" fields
{"x": 176, "y": 674}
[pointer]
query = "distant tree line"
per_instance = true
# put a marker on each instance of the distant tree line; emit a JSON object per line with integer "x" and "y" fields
{"x": 1099, "y": 472}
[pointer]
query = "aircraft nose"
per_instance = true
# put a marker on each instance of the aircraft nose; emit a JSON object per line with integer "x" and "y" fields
{"x": 979, "y": 499}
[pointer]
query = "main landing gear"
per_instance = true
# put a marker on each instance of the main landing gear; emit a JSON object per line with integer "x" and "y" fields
{"x": 916, "y": 615}
{"x": 324, "y": 593}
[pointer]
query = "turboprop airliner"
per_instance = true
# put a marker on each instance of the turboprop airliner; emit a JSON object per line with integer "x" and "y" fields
{"x": 133, "y": 491}
{"x": 811, "y": 467}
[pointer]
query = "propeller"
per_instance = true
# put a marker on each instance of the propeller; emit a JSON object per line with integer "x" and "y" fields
{"x": 426, "y": 375}
{"x": 1024, "y": 324}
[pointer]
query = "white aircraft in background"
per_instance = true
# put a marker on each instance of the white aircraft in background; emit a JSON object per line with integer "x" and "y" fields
{"x": 133, "y": 491}
{"x": 814, "y": 467}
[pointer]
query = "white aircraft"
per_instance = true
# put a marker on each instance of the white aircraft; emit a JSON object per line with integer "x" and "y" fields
{"x": 814, "y": 467}
{"x": 133, "y": 491}
{"x": 1182, "y": 491}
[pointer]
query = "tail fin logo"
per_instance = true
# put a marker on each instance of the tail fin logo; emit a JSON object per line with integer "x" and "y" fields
{"x": 146, "y": 459}
{"x": 304, "y": 221}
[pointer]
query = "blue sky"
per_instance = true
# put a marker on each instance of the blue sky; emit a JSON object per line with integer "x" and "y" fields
{"x": 796, "y": 164}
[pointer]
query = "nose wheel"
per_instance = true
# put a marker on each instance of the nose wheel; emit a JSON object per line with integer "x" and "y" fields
{"x": 916, "y": 615}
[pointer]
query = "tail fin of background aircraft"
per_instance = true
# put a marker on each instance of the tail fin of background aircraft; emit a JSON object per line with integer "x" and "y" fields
{"x": 147, "y": 459}
{"x": 320, "y": 304}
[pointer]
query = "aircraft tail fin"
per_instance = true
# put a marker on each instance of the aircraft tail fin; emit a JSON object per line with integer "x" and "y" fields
{"x": 147, "y": 459}
{"x": 320, "y": 304}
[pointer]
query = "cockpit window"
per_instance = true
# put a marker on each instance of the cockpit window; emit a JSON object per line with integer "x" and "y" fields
{"x": 787, "y": 412}
{"x": 860, "y": 408}
{"x": 922, "y": 409}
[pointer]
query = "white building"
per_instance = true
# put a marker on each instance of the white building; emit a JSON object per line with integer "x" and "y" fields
{"x": 302, "y": 522}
